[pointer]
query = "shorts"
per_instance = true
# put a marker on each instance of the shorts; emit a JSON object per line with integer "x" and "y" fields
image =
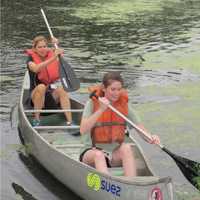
{"x": 108, "y": 162}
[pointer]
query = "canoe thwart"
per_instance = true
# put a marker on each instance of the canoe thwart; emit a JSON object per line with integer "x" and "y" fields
{"x": 56, "y": 127}
{"x": 54, "y": 111}
{"x": 62, "y": 146}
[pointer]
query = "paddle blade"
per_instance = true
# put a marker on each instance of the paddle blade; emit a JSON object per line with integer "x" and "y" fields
{"x": 189, "y": 168}
{"x": 67, "y": 75}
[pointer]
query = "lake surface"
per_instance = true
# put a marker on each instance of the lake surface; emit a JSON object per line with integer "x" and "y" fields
{"x": 155, "y": 44}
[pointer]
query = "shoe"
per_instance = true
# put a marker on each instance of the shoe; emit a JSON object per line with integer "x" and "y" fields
{"x": 69, "y": 123}
{"x": 35, "y": 122}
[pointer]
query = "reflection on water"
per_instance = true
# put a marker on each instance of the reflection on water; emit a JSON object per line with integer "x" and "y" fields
{"x": 99, "y": 36}
{"x": 154, "y": 43}
{"x": 44, "y": 177}
{"x": 23, "y": 193}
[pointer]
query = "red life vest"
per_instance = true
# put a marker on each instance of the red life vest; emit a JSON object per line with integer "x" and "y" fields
{"x": 48, "y": 74}
{"x": 109, "y": 127}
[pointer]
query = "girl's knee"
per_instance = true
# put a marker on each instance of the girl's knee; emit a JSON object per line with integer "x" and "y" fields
{"x": 41, "y": 88}
{"x": 99, "y": 155}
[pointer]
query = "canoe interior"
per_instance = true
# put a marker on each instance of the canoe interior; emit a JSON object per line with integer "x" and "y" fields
{"x": 67, "y": 139}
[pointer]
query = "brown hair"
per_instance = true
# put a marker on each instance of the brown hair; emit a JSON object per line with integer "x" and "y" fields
{"x": 110, "y": 77}
{"x": 38, "y": 39}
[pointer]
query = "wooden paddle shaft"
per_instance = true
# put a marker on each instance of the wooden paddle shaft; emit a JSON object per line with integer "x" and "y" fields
{"x": 49, "y": 28}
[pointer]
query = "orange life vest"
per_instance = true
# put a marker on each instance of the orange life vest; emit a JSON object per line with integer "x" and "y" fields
{"x": 109, "y": 127}
{"x": 48, "y": 74}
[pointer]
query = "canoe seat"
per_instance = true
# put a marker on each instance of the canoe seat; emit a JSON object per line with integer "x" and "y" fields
{"x": 141, "y": 169}
{"x": 116, "y": 171}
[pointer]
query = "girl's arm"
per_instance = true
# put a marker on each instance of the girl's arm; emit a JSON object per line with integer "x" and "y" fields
{"x": 89, "y": 118}
{"x": 38, "y": 67}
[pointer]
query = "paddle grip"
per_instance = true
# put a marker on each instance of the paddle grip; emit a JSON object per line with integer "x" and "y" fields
{"x": 93, "y": 94}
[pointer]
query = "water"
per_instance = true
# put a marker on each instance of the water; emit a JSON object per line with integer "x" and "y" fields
{"x": 154, "y": 43}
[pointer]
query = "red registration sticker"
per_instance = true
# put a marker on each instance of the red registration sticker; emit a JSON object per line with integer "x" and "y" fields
{"x": 156, "y": 194}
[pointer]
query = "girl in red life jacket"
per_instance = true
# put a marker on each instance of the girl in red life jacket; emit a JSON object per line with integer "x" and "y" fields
{"x": 43, "y": 66}
{"x": 96, "y": 123}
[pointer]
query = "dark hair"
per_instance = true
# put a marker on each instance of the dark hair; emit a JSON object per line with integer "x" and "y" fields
{"x": 110, "y": 77}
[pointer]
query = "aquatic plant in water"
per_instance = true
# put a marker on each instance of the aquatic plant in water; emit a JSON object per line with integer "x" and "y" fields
{"x": 196, "y": 180}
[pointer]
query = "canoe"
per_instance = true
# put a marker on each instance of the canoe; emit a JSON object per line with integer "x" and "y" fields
{"x": 57, "y": 148}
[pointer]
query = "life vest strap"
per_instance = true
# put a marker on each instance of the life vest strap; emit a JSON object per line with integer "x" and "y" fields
{"x": 101, "y": 124}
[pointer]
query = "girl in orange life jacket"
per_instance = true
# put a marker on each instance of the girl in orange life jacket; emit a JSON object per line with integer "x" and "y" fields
{"x": 43, "y": 66}
{"x": 110, "y": 92}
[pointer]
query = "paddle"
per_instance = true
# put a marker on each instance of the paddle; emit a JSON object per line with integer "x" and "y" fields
{"x": 67, "y": 75}
{"x": 189, "y": 168}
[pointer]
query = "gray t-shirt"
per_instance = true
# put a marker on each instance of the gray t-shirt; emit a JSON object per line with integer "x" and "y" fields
{"x": 88, "y": 110}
